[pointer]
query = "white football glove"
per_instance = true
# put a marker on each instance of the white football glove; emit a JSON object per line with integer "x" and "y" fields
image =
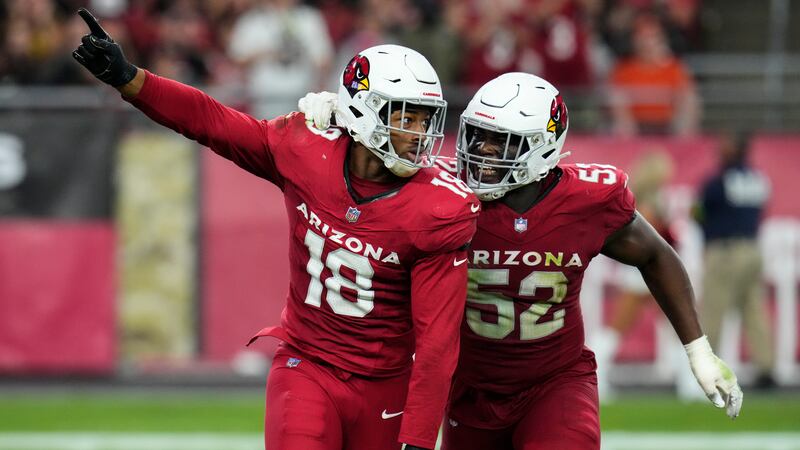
{"x": 714, "y": 376}
{"x": 318, "y": 108}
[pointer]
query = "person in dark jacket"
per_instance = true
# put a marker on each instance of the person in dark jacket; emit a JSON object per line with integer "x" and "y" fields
{"x": 731, "y": 205}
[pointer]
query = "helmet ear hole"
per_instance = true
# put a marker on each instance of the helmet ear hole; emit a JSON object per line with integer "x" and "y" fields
{"x": 547, "y": 154}
{"x": 355, "y": 112}
{"x": 524, "y": 147}
{"x": 384, "y": 114}
{"x": 469, "y": 132}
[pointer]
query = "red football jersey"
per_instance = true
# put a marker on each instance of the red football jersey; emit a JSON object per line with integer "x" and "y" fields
{"x": 372, "y": 280}
{"x": 523, "y": 320}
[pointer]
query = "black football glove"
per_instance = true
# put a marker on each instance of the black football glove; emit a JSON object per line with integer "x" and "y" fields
{"x": 101, "y": 55}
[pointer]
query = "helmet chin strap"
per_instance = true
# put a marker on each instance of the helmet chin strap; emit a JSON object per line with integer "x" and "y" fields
{"x": 560, "y": 157}
{"x": 534, "y": 177}
{"x": 398, "y": 168}
{"x": 491, "y": 196}
{"x": 499, "y": 193}
{"x": 392, "y": 162}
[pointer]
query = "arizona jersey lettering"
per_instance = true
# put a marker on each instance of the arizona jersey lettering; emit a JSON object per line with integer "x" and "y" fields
{"x": 372, "y": 280}
{"x": 523, "y": 319}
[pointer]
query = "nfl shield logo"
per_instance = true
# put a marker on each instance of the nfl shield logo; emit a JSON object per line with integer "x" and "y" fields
{"x": 520, "y": 224}
{"x": 352, "y": 214}
{"x": 293, "y": 362}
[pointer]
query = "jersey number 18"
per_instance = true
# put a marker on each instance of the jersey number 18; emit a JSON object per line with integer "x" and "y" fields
{"x": 365, "y": 296}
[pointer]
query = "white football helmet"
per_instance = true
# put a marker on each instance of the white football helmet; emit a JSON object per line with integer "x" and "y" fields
{"x": 384, "y": 79}
{"x": 528, "y": 121}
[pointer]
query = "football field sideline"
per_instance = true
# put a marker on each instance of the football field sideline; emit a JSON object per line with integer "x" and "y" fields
{"x": 612, "y": 440}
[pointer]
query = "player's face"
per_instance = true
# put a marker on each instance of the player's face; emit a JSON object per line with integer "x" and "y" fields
{"x": 415, "y": 120}
{"x": 493, "y": 145}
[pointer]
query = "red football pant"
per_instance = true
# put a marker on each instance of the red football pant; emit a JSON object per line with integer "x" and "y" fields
{"x": 314, "y": 406}
{"x": 561, "y": 414}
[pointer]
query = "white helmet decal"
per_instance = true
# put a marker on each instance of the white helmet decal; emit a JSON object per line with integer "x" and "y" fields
{"x": 356, "y": 75}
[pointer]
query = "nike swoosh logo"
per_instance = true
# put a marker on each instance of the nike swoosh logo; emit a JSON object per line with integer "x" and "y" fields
{"x": 474, "y": 207}
{"x": 458, "y": 263}
{"x": 385, "y": 415}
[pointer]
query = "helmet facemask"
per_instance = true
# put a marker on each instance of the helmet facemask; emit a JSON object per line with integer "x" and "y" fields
{"x": 405, "y": 162}
{"x": 493, "y": 161}
{"x": 511, "y": 134}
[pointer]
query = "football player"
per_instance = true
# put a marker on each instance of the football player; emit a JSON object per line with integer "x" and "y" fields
{"x": 377, "y": 275}
{"x": 525, "y": 379}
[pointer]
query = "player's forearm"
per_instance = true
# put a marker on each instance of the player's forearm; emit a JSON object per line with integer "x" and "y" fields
{"x": 132, "y": 89}
{"x": 669, "y": 283}
{"x": 438, "y": 298}
{"x": 638, "y": 244}
{"x": 427, "y": 396}
{"x": 435, "y": 361}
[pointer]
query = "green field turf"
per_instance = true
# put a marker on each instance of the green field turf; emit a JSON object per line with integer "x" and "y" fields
{"x": 145, "y": 412}
{"x": 777, "y": 412}
{"x": 222, "y": 412}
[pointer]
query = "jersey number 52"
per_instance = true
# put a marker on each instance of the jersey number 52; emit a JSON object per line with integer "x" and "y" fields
{"x": 529, "y": 326}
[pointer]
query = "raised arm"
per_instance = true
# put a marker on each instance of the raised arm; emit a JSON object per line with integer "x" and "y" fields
{"x": 230, "y": 133}
{"x": 638, "y": 244}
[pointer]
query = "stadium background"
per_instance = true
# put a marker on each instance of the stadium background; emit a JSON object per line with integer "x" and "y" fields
{"x": 134, "y": 266}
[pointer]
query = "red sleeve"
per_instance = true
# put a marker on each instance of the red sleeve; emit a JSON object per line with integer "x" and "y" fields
{"x": 620, "y": 204}
{"x": 451, "y": 215}
{"x": 438, "y": 298}
{"x": 230, "y": 133}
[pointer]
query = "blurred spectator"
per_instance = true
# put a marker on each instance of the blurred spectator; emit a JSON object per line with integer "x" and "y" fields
{"x": 285, "y": 49}
{"x": 682, "y": 20}
{"x": 653, "y": 91}
{"x": 60, "y": 67}
{"x": 141, "y": 20}
{"x": 438, "y": 40}
{"x": 649, "y": 177}
{"x": 185, "y": 40}
{"x": 600, "y": 55}
{"x": 221, "y": 15}
{"x": 376, "y": 23}
{"x": 730, "y": 208}
{"x": 560, "y": 38}
{"x": 615, "y": 25}
{"x": 32, "y": 36}
{"x": 103, "y": 8}
{"x": 495, "y": 39}
{"x": 340, "y": 16}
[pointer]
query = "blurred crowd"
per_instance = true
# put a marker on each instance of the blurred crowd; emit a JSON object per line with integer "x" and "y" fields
{"x": 276, "y": 50}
